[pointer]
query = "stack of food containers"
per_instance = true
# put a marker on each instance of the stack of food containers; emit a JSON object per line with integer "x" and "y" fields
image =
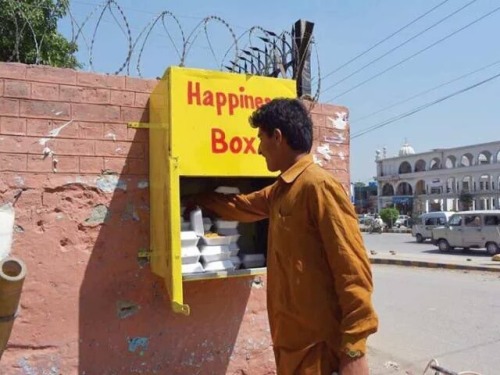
{"x": 215, "y": 253}
{"x": 214, "y": 248}
{"x": 229, "y": 230}
{"x": 189, "y": 251}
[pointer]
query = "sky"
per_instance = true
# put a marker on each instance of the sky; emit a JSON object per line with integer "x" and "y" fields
{"x": 343, "y": 30}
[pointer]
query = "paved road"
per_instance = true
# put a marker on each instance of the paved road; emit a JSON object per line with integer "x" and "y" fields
{"x": 403, "y": 243}
{"x": 453, "y": 316}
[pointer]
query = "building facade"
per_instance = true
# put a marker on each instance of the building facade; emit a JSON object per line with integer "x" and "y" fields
{"x": 448, "y": 179}
{"x": 364, "y": 198}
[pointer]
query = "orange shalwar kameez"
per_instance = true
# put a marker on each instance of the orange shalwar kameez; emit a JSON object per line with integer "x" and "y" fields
{"x": 319, "y": 282}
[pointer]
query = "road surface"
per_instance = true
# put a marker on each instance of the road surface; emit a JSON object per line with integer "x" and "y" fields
{"x": 453, "y": 316}
{"x": 403, "y": 243}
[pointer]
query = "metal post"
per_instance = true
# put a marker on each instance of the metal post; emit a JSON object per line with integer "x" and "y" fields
{"x": 301, "y": 54}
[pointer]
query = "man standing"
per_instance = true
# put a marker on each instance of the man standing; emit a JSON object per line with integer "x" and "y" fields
{"x": 319, "y": 278}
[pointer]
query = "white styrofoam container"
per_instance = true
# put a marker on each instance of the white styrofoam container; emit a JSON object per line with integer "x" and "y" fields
{"x": 234, "y": 249}
{"x": 189, "y": 238}
{"x": 234, "y": 238}
{"x": 215, "y": 253}
{"x": 223, "y": 265}
{"x": 215, "y": 241}
{"x": 228, "y": 231}
{"x": 197, "y": 221}
{"x": 236, "y": 261}
{"x": 225, "y": 224}
{"x": 227, "y": 190}
{"x": 190, "y": 255}
{"x": 232, "y": 233}
{"x": 192, "y": 268}
{"x": 253, "y": 260}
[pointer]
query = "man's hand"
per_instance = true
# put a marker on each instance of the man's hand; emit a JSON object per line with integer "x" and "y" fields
{"x": 357, "y": 366}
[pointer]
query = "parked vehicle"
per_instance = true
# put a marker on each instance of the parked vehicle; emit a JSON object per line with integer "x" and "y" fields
{"x": 365, "y": 221}
{"x": 403, "y": 220}
{"x": 470, "y": 229}
{"x": 423, "y": 226}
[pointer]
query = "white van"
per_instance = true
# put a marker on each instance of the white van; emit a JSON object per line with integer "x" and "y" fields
{"x": 470, "y": 229}
{"x": 422, "y": 228}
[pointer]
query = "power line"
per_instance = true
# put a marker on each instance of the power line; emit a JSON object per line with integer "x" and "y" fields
{"x": 422, "y": 107}
{"x": 385, "y": 39}
{"x": 425, "y": 92}
{"x": 399, "y": 45}
{"x": 415, "y": 54}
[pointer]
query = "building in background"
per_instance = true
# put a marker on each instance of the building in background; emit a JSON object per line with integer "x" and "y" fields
{"x": 364, "y": 197}
{"x": 445, "y": 179}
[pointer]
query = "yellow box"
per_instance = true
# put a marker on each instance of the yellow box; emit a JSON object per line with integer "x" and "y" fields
{"x": 201, "y": 130}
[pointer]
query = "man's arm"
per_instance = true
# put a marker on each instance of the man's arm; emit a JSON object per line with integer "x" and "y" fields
{"x": 334, "y": 215}
{"x": 238, "y": 207}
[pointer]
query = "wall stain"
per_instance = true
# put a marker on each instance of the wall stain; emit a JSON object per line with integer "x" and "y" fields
{"x": 135, "y": 343}
{"x": 126, "y": 309}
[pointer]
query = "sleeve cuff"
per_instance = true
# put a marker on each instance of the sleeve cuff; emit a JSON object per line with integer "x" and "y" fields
{"x": 353, "y": 344}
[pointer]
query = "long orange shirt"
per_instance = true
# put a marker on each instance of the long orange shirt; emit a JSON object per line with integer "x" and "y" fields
{"x": 318, "y": 273}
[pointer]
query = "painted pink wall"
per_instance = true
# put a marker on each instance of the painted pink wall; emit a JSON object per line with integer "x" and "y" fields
{"x": 89, "y": 305}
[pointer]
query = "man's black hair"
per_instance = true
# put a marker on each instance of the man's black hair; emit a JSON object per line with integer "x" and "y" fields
{"x": 291, "y": 117}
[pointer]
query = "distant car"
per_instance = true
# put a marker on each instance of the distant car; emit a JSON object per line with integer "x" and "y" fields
{"x": 403, "y": 220}
{"x": 364, "y": 221}
{"x": 423, "y": 226}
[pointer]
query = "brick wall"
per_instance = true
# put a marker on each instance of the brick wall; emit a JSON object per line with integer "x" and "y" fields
{"x": 78, "y": 178}
{"x": 331, "y": 140}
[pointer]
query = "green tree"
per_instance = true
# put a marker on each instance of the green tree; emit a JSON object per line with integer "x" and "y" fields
{"x": 466, "y": 200}
{"x": 389, "y": 215}
{"x": 28, "y": 33}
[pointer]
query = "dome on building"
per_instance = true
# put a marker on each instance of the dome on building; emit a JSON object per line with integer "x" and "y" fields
{"x": 406, "y": 150}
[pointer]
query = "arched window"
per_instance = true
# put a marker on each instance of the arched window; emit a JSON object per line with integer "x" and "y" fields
{"x": 404, "y": 188}
{"x": 387, "y": 190}
{"x": 485, "y": 182}
{"x": 484, "y": 157}
{"x": 466, "y": 160}
{"x": 404, "y": 167}
{"x": 451, "y": 162}
{"x": 467, "y": 183}
{"x": 420, "y": 165}
{"x": 435, "y": 164}
{"x": 420, "y": 187}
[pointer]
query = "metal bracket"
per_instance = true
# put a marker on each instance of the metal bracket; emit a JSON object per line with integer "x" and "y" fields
{"x": 175, "y": 162}
{"x": 144, "y": 253}
{"x": 181, "y": 308}
{"x": 147, "y": 125}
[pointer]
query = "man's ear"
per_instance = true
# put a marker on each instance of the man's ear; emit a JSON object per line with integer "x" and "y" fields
{"x": 278, "y": 136}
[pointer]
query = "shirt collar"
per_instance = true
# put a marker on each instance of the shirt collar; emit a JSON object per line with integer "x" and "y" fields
{"x": 295, "y": 170}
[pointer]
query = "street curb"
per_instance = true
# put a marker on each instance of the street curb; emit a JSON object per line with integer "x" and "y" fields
{"x": 422, "y": 264}
{"x": 399, "y": 231}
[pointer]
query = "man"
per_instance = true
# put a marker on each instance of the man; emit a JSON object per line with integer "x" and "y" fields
{"x": 377, "y": 222}
{"x": 319, "y": 279}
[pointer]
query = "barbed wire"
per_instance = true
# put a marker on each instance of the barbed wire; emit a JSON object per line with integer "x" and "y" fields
{"x": 263, "y": 53}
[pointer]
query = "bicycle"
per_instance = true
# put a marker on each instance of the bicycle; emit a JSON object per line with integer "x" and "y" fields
{"x": 434, "y": 365}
